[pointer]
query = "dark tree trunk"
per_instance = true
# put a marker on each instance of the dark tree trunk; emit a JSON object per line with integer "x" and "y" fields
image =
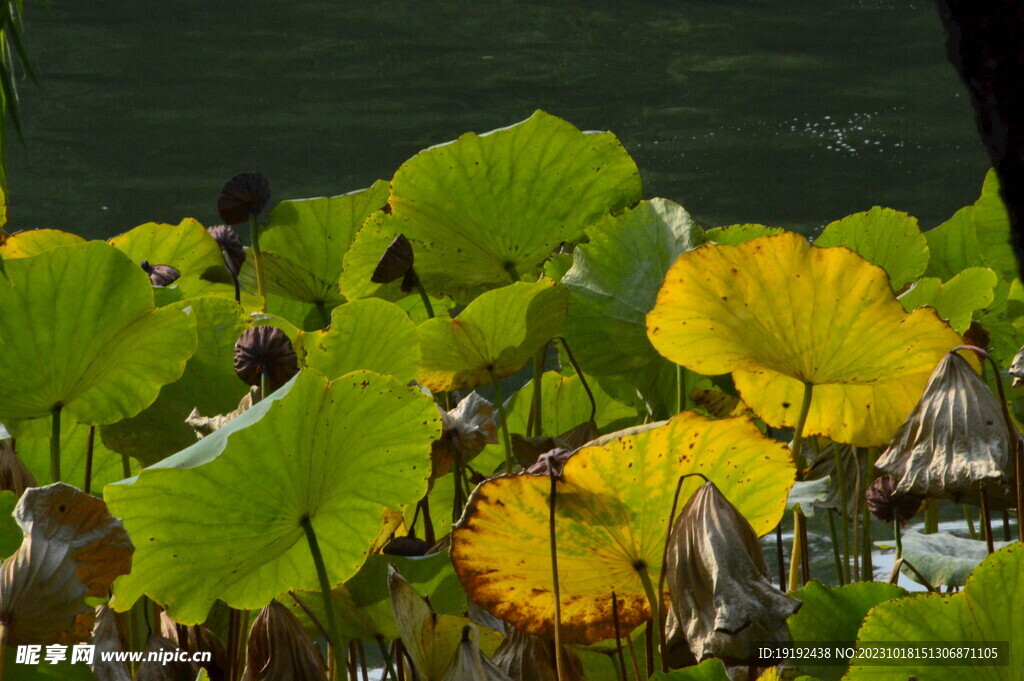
{"x": 986, "y": 44}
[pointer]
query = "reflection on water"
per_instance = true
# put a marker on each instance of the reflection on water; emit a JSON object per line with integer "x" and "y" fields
{"x": 791, "y": 113}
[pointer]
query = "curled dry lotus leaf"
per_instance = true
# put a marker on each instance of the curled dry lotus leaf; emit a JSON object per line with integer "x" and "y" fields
{"x": 154, "y": 669}
{"x": 231, "y": 248}
{"x": 496, "y": 333}
{"x": 280, "y": 650}
{"x": 779, "y": 314}
{"x": 469, "y": 664}
{"x": 243, "y": 196}
{"x": 338, "y": 452}
{"x": 613, "y": 503}
{"x": 14, "y": 476}
{"x": 467, "y": 430}
{"x": 397, "y": 260}
{"x": 107, "y": 638}
{"x": 985, "y": 611}
{"x": 485, "y": 210}
{"x": 72, "y": 549}
{"x": 885, "y": 503}
{"x": 532, "y": 658}
{"x": 88, "y": 338}
{"x": 204, "y": 425}
{"x": 1017, "y": 369}
{"x": 955, "y": 439}
{"x": 198, "y": 639}
{"x": 719, "y": 583}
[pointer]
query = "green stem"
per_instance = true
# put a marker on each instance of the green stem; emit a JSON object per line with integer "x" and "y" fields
{"x": 325, "y": 315}
{"x": 55, "y": 444}
{"x": 970, "y": 521}
{"x": 796, "y": 556}
{"x": 840, "y": 575}
{"x": 325, "y": 591}
{"x": 867, "y": 567}
{"x": 652, "y": 598}
{"x": 896, "y": 535}
{"x": 844, "y": 525}
{"x": 500, "y": 403}
{"x": 986, "y": 520}
{"x": 931, "y": 516}
{"x": 552, "y": 504}
{"x": 257, "y": 261}
{"x": 535, "y": 427}
{"x": 680, "y": 389}
{"x": 583, "y": 379}
{"x": 796, "y": 447}
{"x": 264, "y": 386}
{"x": 618, "y": 638}
{"x": 89, "y": 446}
{"x": 423, "y": 293}
{"x": 389, "y": 670}
{"x": 126, "y": 466}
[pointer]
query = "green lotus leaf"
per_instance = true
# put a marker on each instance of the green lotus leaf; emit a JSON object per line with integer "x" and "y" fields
{"x": 498, "y": 332}
{"x": 1004, "y": 320}
{"x": 222, "y": 519}
{"x": 304, "y": 241}
{"x": 958, "y": 299}
{"x": 982, "y": 613}
{"x": 564, "y": 405}
{"x": 708, "y": 670}
{"x": 835, "y": 613}
{"x": 614, "y": 282}
{"x": 734, "y": 235}
{"x": 890, "y": 239}
{"x": 186, "y": 246}
{"x": 80, "y": 332}
{"x": 208, "y": 384}
{"x": 36, "y": 241}
{"x": 613, "y": 504}
{"x": 942, "y": 558}
{"x": 992, "y": 225}
{"x": 34, "y": 451}
{"x": 486, "y": 210}
{"x": 364, "y": 334}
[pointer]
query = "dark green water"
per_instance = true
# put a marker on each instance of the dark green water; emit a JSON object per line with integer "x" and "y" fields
{"x": 790, "y": 113}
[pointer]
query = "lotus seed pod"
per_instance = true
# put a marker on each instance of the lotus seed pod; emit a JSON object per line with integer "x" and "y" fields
{"x": 230, "y": 247}
{"x": 406, "y": 546}
{"x": 244, "y": 195}
{"x": 886, "y": 503}
{"x": 161, "y": 275}
{"x": 395, "y": 263}
{"x": 265, "y": 350}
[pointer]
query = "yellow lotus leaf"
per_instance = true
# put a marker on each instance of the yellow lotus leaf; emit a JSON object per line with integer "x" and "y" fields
{"x": 780, "y": 314}
{"x": 613, "y": 504}
{"x": 36, "y": 241}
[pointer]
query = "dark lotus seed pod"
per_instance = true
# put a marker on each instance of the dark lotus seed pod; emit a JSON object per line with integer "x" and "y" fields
{"x": 265, "y": 350}
{"x": 230, "y": 247}
{"x": 885, "y": 503}
{"x": 406, "y": 546}
{"x": 977, "y": 335}
{"x": 243, "y": 195}
{"x": 161, "y": 275}
{"x": 396, "y": 261}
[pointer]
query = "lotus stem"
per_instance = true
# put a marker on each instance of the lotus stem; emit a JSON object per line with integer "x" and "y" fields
{"x": 680, "y": 389}
{"x": 534, "y": 426}
{"x": 552, "y": 503}
{"x": 1006, "y": 525}
{"x": 389, "y": 669}
{"x": 264, "y": 385}
{"x": 89, "y": 444}
{"x": 867, "y": 567}
{"x": 325, "y": 315}
{"x": 652, "y": 598}
{"x": 325, "y": 591}
{"x": 422, "y": 291}
{"x": 499, "y": 401}
{"x": 310, "y": 615}
{"x": 583, "y": 379}
{"x": 55, "y": 444}
{"x": 840, "y": 575}
{"x": 126, "y": 466}
{"x": 1019, "y": 466}
{"x": 986, "y": 520}
{"x": 510, "y": 267}
{"x": 234, "y": 635}
{"x": 799, "y": 549}
{"x": 897, "y": 537}
{"x": 917, "y": 573}
{"x": 618, "y": 637}
{"x": 844, "y": 525}
{"x": 931, "y": 516}
{"x": 361, "y": 651}
{"x": 400, "y": 662}
{"x": 970, "y": 521}
{"x": 257, "y": 261}
{"x": 649, "y": 648}
{"x": 780, "y": 556}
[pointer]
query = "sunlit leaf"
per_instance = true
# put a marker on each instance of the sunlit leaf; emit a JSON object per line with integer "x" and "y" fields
{"x": 485, "y": 210}
{"x": 564, "y": 405}
{"x": 36, "y": 241}
{"x": 890, "y": 239}
{"x": 779, "y": 313}
{"x": 613, "y": 506}
{"x": 958, "y": 299}
{"x": 187, "y": 247}
{"x": 221, "y": 519}
{"x": 34, "y": 450}
{"x": 735, "y": 235}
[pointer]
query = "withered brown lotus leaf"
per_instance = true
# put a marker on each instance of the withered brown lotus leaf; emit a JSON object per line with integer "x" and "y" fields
{"x": 885, "y": 503}
{"x": 198, "y": 639}
{"x": 580, "y": 435}
{"x": 395, "y": 263}
{"x": 14, "y": 476}
{"x": 525, "y": 657}
{"x": 155, "y": 670}
{"x": 955, "y": 439}
{"x": 231, "y": 247}
{"x": 719, "y": 583}
{"x": 1017, "y": 368}
{"x": 108, "y": 638}
{"x": 528, "y": 450}
{"x": 467, "y": 429}
{"x": 72, "y": 548}
{"x": 204, "y": 425}
{"x": 550, "y": 461}
{"x": 160, "y": 275}
{"x": 265, "y": 350}
{"x": 469, "y": 664}
{"x": 243, "y": 195}
{"x": 280, "y": 650}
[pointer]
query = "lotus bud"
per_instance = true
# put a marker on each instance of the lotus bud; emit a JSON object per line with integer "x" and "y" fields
{"x": 396, "y": 262}
{"x": 469, "y": 664}
{"x": 466, "y": 430}
{"x": 1017, "y": 369}
{"x": 719, "y": 583}
{"x": 406, "y": 546}
{"x": 532, "y": 658}
{"x": 280, "y": 650}
{"x": 265, "y": 350}
{"x": 156, "y": 670}
{"x": 886, "y": 503}
{"x": 231, "y": 248}
{"x": 244, "y": 195}
{"x": 14, "y": 476}
{"x": 161, "y": 275}
{"x": 955, "y": 439}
